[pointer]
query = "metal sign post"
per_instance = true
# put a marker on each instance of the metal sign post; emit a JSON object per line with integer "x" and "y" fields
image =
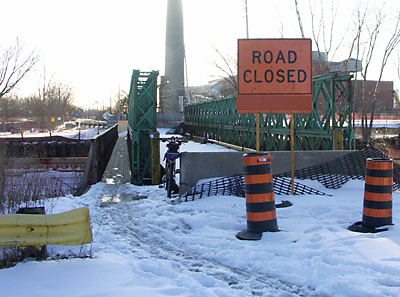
{"x": 258, "y": 131}
{"x": 292, "y": 148}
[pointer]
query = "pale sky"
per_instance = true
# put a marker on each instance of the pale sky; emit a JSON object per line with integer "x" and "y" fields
{"x": 94, "y": 45}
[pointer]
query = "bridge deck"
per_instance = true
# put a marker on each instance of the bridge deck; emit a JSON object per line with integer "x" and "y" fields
{"x": 117, "y": 171}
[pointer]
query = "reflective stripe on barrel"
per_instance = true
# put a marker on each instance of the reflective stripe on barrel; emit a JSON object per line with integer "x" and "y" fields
{"x": 377, "y": 210}
{"x": 259, "y": 191}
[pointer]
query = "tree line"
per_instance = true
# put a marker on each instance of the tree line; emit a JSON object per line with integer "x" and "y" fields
{"x": 364, "y": 33}
{"x": 53, "y": 99}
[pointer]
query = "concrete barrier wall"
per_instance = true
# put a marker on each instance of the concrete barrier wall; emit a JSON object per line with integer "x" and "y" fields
{"x": 203, "y": 165}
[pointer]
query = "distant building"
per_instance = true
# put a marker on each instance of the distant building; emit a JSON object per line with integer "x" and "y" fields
{"x": 384, "y": 96}
{"x": 320, "y": 64}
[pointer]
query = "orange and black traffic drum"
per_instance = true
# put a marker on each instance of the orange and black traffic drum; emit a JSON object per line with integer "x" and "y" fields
{"x": 377, "y": 210}
{"x": 259, "y": 192}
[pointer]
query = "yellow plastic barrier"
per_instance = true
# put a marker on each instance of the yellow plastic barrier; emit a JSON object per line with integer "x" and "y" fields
{"x": 68, "y": 228}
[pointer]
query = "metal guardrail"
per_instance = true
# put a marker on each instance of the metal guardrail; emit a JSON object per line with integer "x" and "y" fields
{"x": 101, "y": 148}
{"x": 68, "y": 228}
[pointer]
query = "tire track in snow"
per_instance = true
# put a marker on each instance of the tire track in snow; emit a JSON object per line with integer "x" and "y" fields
{"x": 127, "y": 225}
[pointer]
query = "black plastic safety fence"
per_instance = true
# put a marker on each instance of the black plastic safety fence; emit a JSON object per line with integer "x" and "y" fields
{"x": 283, "y": 186}
{"x": 331, "y": 175}
{"x": 336, "y": 173}
{"x": 234, "y": 186}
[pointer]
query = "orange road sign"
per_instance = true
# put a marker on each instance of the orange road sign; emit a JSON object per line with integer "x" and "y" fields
{"x": 274, "y": 75}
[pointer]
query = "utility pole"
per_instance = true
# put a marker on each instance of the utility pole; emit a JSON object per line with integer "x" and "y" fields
{"x": 247, "y": 19}
{"x": 119, "y": 99}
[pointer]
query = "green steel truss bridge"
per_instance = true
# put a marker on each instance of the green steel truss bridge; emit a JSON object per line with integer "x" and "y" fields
{"x": 144, "y": 151}
{"x": 327, "y": 127}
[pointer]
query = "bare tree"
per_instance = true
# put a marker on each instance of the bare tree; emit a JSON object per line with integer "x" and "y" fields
{"x": 392, "y": 43}
{"x": 322, "y": 29}
{"x": 366, "y": 56}
{"x": 363, "y": 44}
{"x": 355, "y": 44}
{"x": 59, "y": 99}
{"x": 53, "y": 99}
{"x": 298, "y": 19}
{"x": 228, "y": 67}
{"x": 14, "y": 65}
{"x": 121, "y": 105}
{"x": 368, "y": 53}
{"x": 398, "y": 64}
{"x": 42, "y": 100}
{"x": 35, "y": 105}
{"x": 281, "y": 30}
{"x": 9, "y": 108}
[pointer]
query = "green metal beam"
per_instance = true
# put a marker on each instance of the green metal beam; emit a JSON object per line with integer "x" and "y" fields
{"x": 142, "y": 121}
{"x": 332, "y": 111}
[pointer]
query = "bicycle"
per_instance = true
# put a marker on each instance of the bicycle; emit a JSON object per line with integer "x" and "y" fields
{"x": 170, "y": 158}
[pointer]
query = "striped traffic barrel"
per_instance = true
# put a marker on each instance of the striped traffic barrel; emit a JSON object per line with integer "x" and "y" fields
{"x": 259, "y": 192}
{"x": 377, "y": 208}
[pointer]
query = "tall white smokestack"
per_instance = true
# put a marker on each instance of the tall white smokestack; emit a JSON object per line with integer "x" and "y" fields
{"x": 173, "y": 82}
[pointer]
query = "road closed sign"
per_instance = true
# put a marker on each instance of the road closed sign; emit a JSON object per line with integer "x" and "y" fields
{"x": 274, "y": 75}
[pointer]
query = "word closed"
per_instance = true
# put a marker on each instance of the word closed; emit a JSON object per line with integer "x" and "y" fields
{"x": 271, "y": 67}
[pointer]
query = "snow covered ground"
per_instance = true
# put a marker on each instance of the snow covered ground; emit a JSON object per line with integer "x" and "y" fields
{"x": 381, "y": 123}
{"x": 151, "y": 247}
{"x": 71, "y": 133}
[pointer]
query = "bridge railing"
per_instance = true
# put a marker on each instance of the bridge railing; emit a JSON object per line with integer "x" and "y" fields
{"x": 327, "y": 127}
{"x": 100, "y": 151}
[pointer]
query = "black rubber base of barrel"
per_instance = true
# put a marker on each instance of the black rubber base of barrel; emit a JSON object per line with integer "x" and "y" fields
{"x": 284, "y": 204}
{"x": 358, "y": 227}
{"x": 247, "y": 235}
